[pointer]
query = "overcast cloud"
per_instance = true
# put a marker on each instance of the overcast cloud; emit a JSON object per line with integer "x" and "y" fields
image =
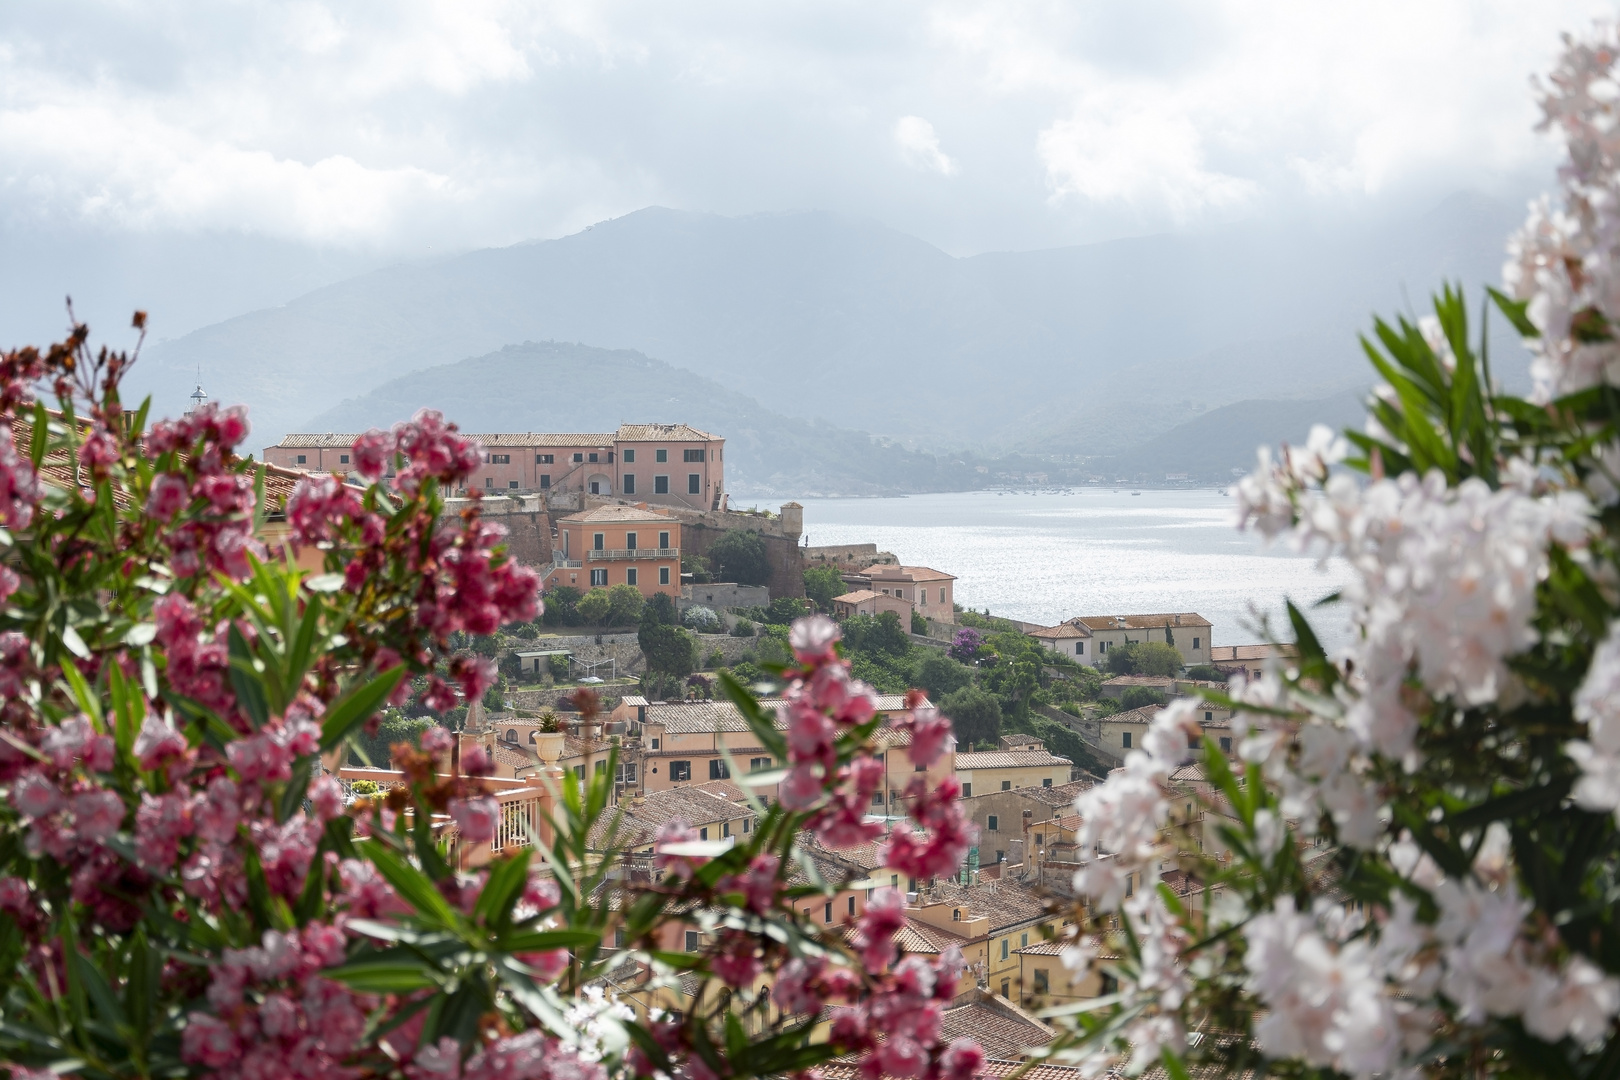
{"x": 364, "y": 131}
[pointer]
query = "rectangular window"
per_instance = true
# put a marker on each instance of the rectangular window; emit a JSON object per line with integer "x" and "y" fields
{"x": 692, "y": 455}
{"x": 1047, "y": 782}
{"x": 1195, "y": 644}
{"x": 655, "y": 744}
{"x": 630, "y": 576}
{"x": 852, "y": 905}
{"x": 629, "y": 484}
{"x": 703, "y": 833}
{"x": 618, "y": 937}
{"x": 725, "y": 829}
{"x": 680, "y": 770}
{"x": 500, "y": 459}
{"x": 1006, "y": 785}
{"x": 489, "y": 481}
{"x": 596, "y": 540}
{"x": 1209, "y": 717}
{"x": 1004, "y": 943}
{"x": 1079, "y": 648}
{"x": 967, "y": 791}
{"x": 593, "y": 457}
{"x": 545, "y": 481}
{"x": 1023, "y": 941}
{"x": 302, "y": 459}
{"x": 694, "y": 484}
{"x": 691, "y": 941}
{"x": 990, "y": 823}
{"x": 942, "y": 596}
{"x": 545, "y": 459}
{"x": 660, "y": 485}
{"x": 718, "y": 769}
{"x": 1226, "y": 745}
{"x": 1102, "y": 646}
{"x": 630, "y": 541}
{"x": 663, "y": 540}
{"x": 579, "y": 771}
{"x": 1042, "y": 984}
{"x": 511, "y": 483}
{"x": 663, "y": 575}
{"x": 660, "y": 456}
{"x": 343, "y": 459}
{"x": 748, "y": 824}
{"x": 578, "y": 458}
{"x": 920, "y": 768}
{"x": 599, "y": 577}
{"x": 1126, "y": 740}
{"x": 630, "y": 773}
{"x": 629, "y": 457}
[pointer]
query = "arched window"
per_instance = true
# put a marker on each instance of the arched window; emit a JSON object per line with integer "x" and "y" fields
{"x": 511, "y": 735}
{"x": 956, "y": 914}
{"x": 534, "y": 736}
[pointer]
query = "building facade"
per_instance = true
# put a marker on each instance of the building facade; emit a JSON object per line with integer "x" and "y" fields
{"x": 618, "y": 545}
{"x": 669, "y": 464}
{"x": 1087, "y": 638}
{"x": 982, "y": 772}
{"x": 931, "y": 592}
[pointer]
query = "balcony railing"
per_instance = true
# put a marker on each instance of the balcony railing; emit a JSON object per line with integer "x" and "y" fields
{"x": 561, "y": 563}
{"x": 621, "y": 554}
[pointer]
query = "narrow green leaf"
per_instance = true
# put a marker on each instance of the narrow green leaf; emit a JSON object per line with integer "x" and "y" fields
{"x": 412, "y": 885}
{"x": 357, "y": 706}
{"x": 502, "y": 888}
{"x": 247, "y": 678}
{"x": 386, "y": 977}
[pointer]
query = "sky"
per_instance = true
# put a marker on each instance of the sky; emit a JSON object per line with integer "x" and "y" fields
{"x": 207, "y": 158}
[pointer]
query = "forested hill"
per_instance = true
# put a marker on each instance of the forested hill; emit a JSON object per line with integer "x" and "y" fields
{"x": 552, "y": 386}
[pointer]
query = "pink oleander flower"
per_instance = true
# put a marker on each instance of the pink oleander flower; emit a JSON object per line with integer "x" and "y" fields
{"x": 158, "y": 743}
{"x": 812, "y": 639}
{"x": 931, "y": 734}
{"x": 97, "y": 814}
{"x": 476, "y": 818}
{"x": 438, "y": 696}
{"x": 319, "y": 507}
{"x": 437, "y": 740}
{"x": 326, "y": 798}
{"x": 99, "y": 450}
{"x": 797, "y": 986}
{"x": 542, "y": 894}
{"x": 9, "y": 583}
{"x": 547, "y": 965}
{"x": 945, "y": 837}
{"x": 759, "y": 886}
{"x": 884, "y": 917}
{"x": 962, "y": 1060}
{"x": 475, "y": 674}
{"x": 737, "y": 961}
{"x": 35, "y": 796}
{"x": 373, "y": 452}
{"x": 670, "y": 833}
{"x": 20, "y": 489}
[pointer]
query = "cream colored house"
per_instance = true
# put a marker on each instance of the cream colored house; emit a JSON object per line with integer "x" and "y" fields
{"x": 930, "y": 591}
{"x": 982, "y": 772}
{"x": 1088, "y": 638}
{"x": 1122, "y": 732}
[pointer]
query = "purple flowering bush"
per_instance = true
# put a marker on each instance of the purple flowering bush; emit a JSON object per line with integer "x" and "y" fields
{"x": 184, "y": 890}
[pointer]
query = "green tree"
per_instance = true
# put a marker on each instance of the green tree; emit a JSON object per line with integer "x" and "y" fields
{"x": 594, "y": 607}
{"x": 562, "y": 606}
{"x": 744, "y": 628}
{"x": 558, "y": 666}
{"x": 785, "y": 609}
{"x": 919, "y": 625}
{"x": 939, "y": 674}
{"x": 495, "y": 696}
{"x": 1144, "y": 658}
{"x": 659, "y": 610}
{"x": 1206, "y": 673}
{"x": 821, "y": 584}
{"x": 1137, "y": 697}
{"x": 669, "y": 649}
{"x": 698, "y": 567}
{"x": 881, "y": 633}
{"x": 624, "y": 605}
{"x": 740, "y": 556}
{"x": 394, "y": 729}
{"x": 975, "y": 715}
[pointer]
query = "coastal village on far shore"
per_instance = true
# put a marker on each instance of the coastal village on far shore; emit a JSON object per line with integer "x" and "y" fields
{"x": 624, "y": 523}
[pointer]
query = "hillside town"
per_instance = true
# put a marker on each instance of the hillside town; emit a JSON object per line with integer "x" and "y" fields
{"x": 654, "y": 588}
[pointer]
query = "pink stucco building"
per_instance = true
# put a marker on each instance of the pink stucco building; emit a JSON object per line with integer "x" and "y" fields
{"x": 668, "y": 464}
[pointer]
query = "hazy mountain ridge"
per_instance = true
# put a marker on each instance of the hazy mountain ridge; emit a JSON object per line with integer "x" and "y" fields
{"x": 865, "y": 328}
{"x": 535, "y": 387}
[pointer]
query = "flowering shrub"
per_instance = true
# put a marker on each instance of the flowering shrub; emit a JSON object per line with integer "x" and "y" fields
{"x": 1422, "y": 830}
{"x": 183, "y": 888}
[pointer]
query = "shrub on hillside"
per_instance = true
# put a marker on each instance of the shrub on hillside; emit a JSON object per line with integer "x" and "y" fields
{"x": 1144, "y": 658}
{"x": 975, "y": 715}
{"x": 1137, "y": 697}
{"x": 740, "y": 556}
{"x": 821, "y": 584}
{"x": 939, "y": 674}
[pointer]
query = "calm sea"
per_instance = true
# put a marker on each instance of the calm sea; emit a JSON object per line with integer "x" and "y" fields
{"x": 1047, "y": 556}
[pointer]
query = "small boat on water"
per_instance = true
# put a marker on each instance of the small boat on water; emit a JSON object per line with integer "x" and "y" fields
{"x": 1136, "y": 493}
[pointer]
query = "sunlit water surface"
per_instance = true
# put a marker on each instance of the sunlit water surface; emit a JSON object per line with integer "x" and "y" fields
{"x": 1046, "y": 556}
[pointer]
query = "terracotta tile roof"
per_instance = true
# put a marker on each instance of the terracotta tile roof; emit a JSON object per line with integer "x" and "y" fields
{"x": 1043, "y": 948}
{"x": 1142, "y": 622}
{"x": 1224, "y": 654}
{"x": 1070, "y": 629}
{"x": 619, "y": 513}
{"x": 701, "y": 717}
{"x": 1008, "y": 759}
{"x": 321, "y": 441}
{"x": 1158, "y": 682}
{"x": 663, "y": 433}
{"x": 1056, "y": 795}
{"x": 859, "y": 596}
{"x": 1005, "y": 902}
{"x": 594, "y": 440}
{"x": 1143, "y": 715}
{"x": 694, "y": 805}
{"x": 1002, "y": 1034}
{"x": 903, "y": 573}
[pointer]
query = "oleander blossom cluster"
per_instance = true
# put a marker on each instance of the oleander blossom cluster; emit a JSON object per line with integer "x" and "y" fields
{"x": 823, "y": 702}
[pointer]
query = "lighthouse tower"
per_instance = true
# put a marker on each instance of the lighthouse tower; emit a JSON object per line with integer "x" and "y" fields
{"x": 199, "y": 398}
